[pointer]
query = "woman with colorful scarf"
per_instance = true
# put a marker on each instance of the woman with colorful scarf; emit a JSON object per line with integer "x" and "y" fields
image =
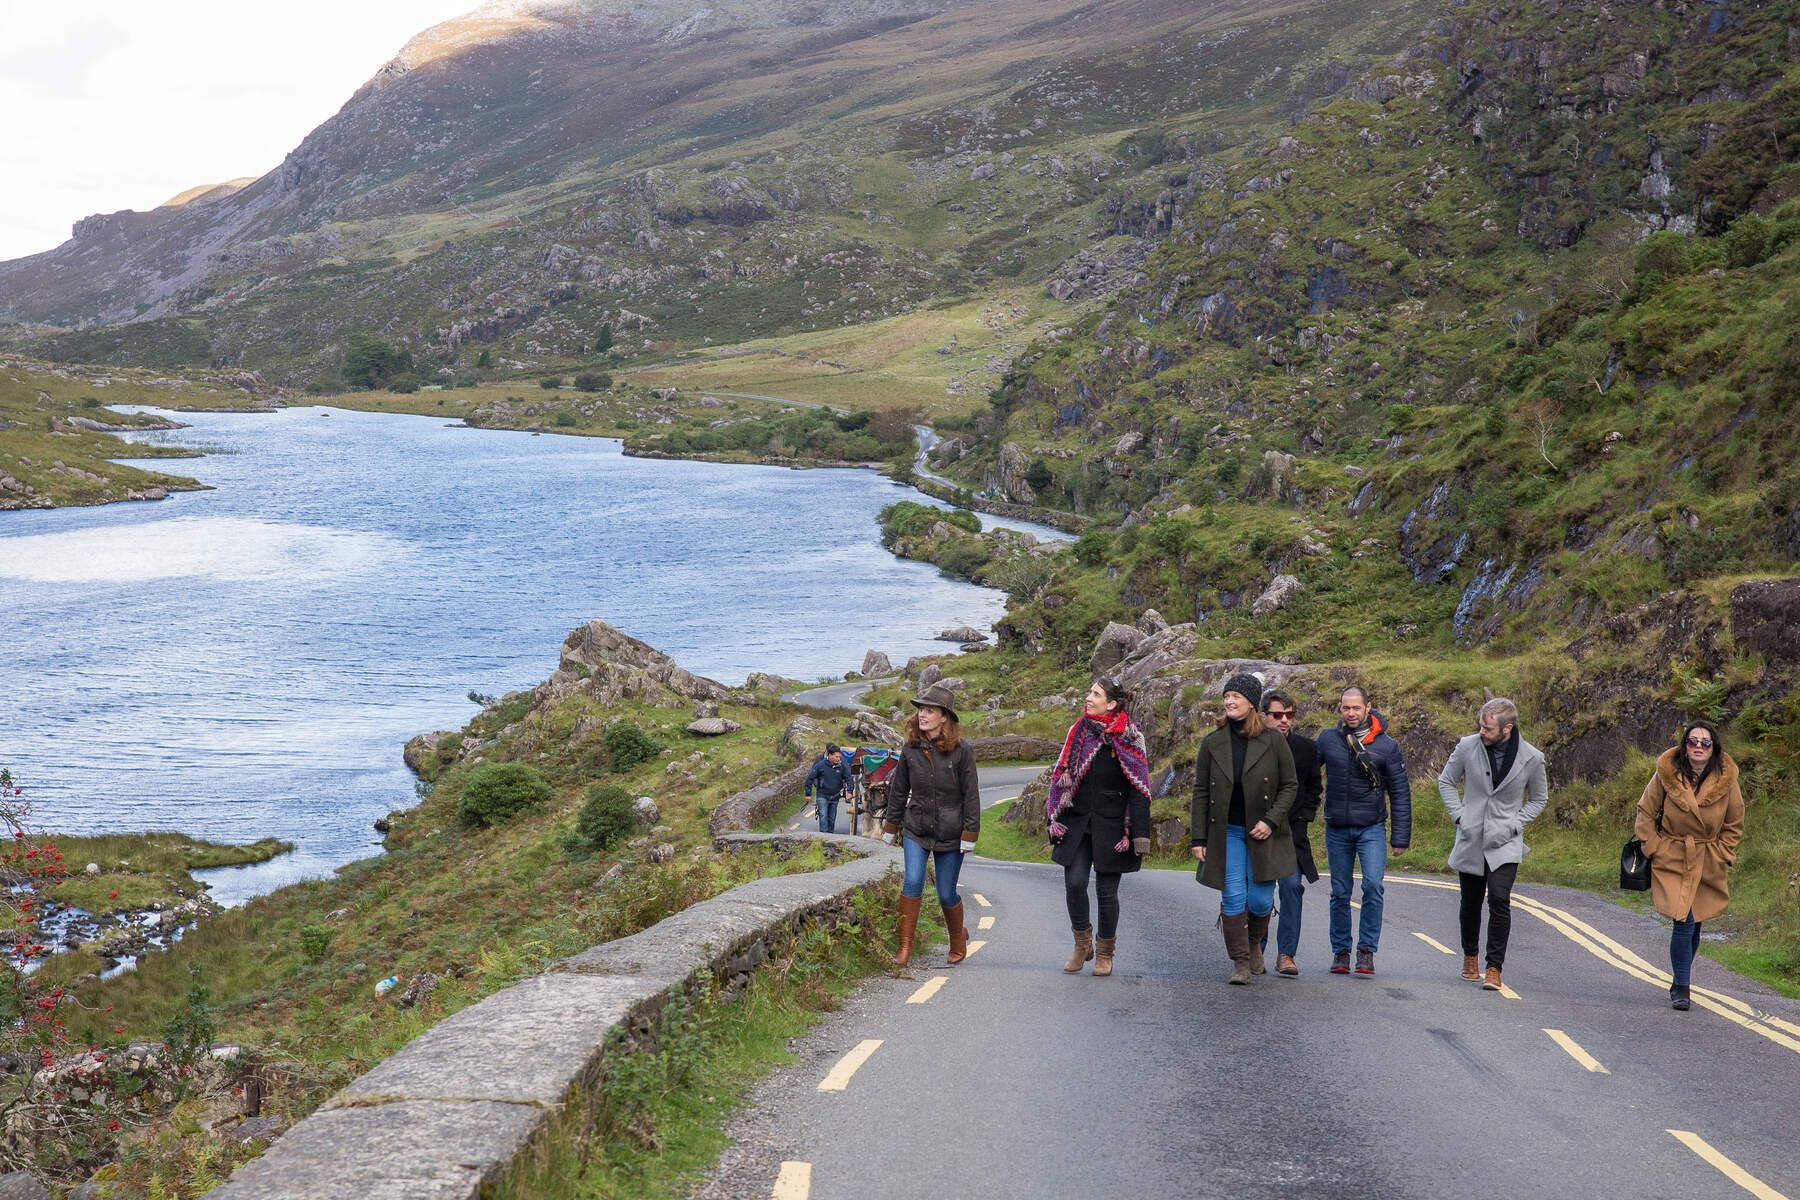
{"x": 1099, "y": 809}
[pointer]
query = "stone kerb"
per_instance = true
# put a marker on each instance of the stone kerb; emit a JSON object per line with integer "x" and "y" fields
{"x": 746, "y": 808}
{"x": 445, "y": 1118}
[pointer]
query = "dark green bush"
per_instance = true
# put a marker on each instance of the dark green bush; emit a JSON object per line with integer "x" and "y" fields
{"x": 592, "y": 381}
{"x": 1038, "y": 475}
{"x": 496, "y": 792}
{"x": 628, "y": 746}
{"x": 605, "y": 818}
{"x": 315, "y": 941}
{"x": 962, "y": 557}
{"x": 550, "y": 382}
{"x": 564, "y": 419}
{"x": 1092, "y": 547}
{"x": 405, "y": 385}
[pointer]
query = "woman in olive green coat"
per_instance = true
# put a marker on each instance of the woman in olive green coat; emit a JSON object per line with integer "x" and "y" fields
{"x": 1244, "y": 785}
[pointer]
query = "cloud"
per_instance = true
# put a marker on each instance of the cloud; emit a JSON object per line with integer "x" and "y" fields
{"x": 106, "y": 106}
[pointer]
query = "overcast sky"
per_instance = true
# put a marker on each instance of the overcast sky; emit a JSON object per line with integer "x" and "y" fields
{"x": 111, "y": 104}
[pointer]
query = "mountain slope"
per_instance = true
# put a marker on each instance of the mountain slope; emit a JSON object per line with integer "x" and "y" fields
{"x": 1495, "y": 340}
{"x": 518, "y": 178}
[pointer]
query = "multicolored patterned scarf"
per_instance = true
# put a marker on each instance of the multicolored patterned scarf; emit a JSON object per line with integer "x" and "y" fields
{"x": 1086, "y": 738}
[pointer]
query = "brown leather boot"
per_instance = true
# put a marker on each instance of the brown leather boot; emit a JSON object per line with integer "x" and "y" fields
{"x": 1237, "y": 945}
{"x": 1471, "y": 968}
{"x": 1084, "y": 950}
{"x": 909, "y": 927}
{"x": 959, "y": 935}
{"x": 1285, "y": 965}
{"x": 1103, "y": 955}
{"x": 1259, "y": 933}
{"x": 1492, "y": 982}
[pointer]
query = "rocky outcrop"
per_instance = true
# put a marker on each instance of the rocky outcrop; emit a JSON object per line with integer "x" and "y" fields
{"x": 1765, "y": 617}
{"x": 868, "y": 728}
{"x": 1115, "y": 643}
{"x": 614, "y": 666}
{"x": 962, "y": 633}
{"x": 1014, "y": 462}
{"x": 802, "y": 738}
{"x": 876, "y": 663}
{"x": 1276, "y": 596}
{"x": 713, "y": 726}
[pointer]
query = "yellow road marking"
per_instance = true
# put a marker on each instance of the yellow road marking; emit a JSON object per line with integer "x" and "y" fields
{"x": 985, "y": 923}
{"x": 1508, "y": 992}
{"x": 928, "y": 989}
{"x": 839, "y": 1078}
{"x": 1354, "y": 904}
{"x": 1432, "y": 942}
{"x": 975, "y": 945}
{"x": 1727, "y": 1168}
{"x": 1576, "y": 1052}
{"x": 1783, "y": 1033}
{"x": 981, "y": 899}
{"x": 794, "y": 1182}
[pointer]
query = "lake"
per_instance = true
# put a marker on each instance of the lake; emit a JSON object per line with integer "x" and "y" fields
{"x": 248, "y": 661}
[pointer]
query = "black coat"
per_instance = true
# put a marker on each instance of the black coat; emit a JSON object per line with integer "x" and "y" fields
{"x": 934, "y": 797}
{"x": 1097, "y": 810}
{"x": 1269, "y": 790}
{"x": 1352, "y": 799}
{"x": 1306, "y": 804}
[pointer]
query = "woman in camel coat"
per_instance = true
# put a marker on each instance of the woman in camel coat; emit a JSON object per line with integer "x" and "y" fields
{"x": 1690, "y": 819}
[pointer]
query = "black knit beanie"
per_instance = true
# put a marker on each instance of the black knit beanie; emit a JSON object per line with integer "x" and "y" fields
{"x": 1246, "y": 685}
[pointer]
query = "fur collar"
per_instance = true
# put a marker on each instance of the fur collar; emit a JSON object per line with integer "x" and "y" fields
{"x": 1715, "y": 787}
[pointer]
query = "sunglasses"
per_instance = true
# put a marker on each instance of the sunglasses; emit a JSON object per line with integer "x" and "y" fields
{"x": 1275, "y": 714}
{"x": 1700, "y": 743}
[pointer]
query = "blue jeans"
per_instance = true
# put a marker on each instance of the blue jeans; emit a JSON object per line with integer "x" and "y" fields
{"x": 1344, "y": 844}
{"x": 1241, "y": 891}
{"x": 1287, "y": 932}
{"x": 827, "y": 813}
{"x": 1684, "y": 944}
{"x": 949, "y": 866}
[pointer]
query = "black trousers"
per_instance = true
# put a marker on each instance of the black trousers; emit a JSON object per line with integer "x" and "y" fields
{"x": 1075, "y": 890}
{"x": 1495, "y": 885}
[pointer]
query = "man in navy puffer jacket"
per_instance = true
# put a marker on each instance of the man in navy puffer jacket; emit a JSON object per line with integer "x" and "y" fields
{"x": 1365, "y": 773}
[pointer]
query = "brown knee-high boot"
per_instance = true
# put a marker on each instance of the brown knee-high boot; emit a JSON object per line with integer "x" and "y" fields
{"x": 959, "y": 936}
{"x": 909, "y": 927}
{"x": 1258, "y": 928}
{"x": 1237, "y": 945}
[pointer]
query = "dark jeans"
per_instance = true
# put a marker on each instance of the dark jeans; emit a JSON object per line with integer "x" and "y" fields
{"x": 1495, "y": 884}
{"x": 1684, "y": 944}
{"x": 1344, "y": 844}
{"x": 1075, "y": 892}
{"x": 828, "y": 806}
{"x": 1287, "y": 932}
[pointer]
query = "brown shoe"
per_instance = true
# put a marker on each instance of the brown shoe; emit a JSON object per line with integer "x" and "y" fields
{"x": 1103, "y": 955}
{"x": 1237, "y": 945}
{"x": 1259, "y": 933}
{"x": 909, "y": 927}
{"x": 1492, "y": 982}
{"x": 1084, "y": 950}
{"x": 959, "y": 935}
{"x": 1471, "y": 968}
{"x": 1285, "y": 965}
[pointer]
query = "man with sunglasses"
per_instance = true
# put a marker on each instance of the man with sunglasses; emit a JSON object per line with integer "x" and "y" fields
{"x": 1281, "y": 710}
{"x": 1504, "y": 787}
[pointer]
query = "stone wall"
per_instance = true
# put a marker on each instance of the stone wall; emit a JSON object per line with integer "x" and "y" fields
{"x": 447, "y": 1116}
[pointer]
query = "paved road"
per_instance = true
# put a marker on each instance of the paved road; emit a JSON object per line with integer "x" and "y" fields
{"x": 999, "y": 785}
{"x": 835, "y": 695}
{"x": 1013, "y": 1079}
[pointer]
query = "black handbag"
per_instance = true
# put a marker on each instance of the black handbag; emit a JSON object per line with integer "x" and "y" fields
{"x": 1634, "y": 867}
{"x": 1634, "y": 864}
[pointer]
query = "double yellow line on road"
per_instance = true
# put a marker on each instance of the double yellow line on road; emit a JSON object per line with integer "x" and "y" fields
{"x": 1783, "y": 1033}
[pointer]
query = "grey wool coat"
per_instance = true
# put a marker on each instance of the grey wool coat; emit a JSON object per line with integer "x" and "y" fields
{"x": 1491, "y": 818}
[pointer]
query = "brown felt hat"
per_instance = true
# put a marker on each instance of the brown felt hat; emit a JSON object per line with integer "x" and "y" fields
{"x": 937, "y": 696}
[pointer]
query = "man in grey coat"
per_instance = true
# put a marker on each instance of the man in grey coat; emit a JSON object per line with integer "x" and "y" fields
{"x": 1503, "y": 790}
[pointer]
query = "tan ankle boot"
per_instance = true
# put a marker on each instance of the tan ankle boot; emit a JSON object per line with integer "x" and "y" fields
{"x": 909, "y": 928}
{"x": 959, "y": 936}
{"x": 1259, "y": 932}
{"x": 1471, "y": 968}
{"x": 1084, "y": 950}
{"x": 1103, "y": 955}
{"x": 1237, "y": 945}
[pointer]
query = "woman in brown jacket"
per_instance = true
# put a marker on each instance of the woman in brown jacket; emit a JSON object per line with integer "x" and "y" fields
{"x": 1244, "y": 785}
{"x": 1690, "y": 819}
{"x": 934, "y": 807}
